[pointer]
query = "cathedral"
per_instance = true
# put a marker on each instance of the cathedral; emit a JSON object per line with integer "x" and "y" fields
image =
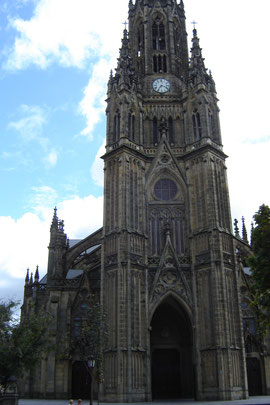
{"x": 166, "y": 266}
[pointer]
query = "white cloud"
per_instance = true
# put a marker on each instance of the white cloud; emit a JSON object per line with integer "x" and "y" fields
{"x": 23, "y": 244}
{"x": 97, "y": 167}
{"x": 51, "y": 159}
{"x": 78, "y": 35}
{"x": 81, "y": 34}
{"x": 42, "y": 201}
{"x": 31, "y": 123}
{"x": 248, "y": 170}
{"x": 67, "y": 32}
{"x": 92, "y": 105}
{"x": 82, "y": 216}
{"x": 24, "y": 241}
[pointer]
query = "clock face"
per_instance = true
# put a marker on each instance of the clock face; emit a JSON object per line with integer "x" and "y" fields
{"x": 161, "y": 85}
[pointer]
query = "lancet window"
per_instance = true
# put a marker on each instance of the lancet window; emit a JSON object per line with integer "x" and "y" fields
{"x": 79, "y": 320}
{"x": 116, "y": 127}
{"x": 161, "y": 220}
{"x": 131, "y": 126}
{"x": 159, "y": 45}
{"x": 159, "y": 64}
{"x": 197, "y": 130}
{"x": 211, "y": 124}
{"x": 158, "y": 35}
{"x": 140, "y": 39}
{"x": 176, "y": 40}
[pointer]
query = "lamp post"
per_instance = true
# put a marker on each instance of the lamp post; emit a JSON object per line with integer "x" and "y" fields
{"x": 91, "y": 364}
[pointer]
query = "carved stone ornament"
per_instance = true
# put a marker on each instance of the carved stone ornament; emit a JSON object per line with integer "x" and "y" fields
{"x": 169, "y": 278}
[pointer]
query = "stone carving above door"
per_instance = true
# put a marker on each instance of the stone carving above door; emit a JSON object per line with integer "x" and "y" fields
{"x": 169, "y": 276}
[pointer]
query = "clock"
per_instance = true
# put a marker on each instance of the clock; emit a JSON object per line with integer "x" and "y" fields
{"x": 161, "y": 85}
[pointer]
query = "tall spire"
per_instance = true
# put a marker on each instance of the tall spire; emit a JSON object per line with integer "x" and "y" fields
{"x": 244, "y": 231}
{"x": 198, "y": 71}
{"x": 27, "y": 277}
{"x": 36, "y": 275}
{"x": 125, "y": 74}
{"x": 54, "y": 224}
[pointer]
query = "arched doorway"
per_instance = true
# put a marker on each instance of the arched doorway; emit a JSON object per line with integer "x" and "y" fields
{"x": 254, "y": 376}
{"x": 171, "y": 352}
{"x": 81, "y": 380}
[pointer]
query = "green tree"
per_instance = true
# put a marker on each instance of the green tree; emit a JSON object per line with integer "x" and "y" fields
{"x": 22, "y": 343}
{"x": 91, "y": 335}
{"x": 260, "y": 267}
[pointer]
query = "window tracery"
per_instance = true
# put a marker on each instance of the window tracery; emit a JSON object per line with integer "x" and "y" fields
{"x": 158, "y": 35}
{"x": 159, "y": 46}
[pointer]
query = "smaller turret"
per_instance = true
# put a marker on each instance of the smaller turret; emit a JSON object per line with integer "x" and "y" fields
{"x": 236, "y": 229}
{"x": 198, "y": 72}
{"x": 36, "y": 276}
{"x": 244, "y": 231}
{"x": 251, "y": 234}
{"x": 57, "y": 248}
{"x": 27, "y": 277}
{"x": 125, "y": 75}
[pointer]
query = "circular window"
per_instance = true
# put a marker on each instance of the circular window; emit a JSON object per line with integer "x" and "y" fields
{"x": 165, "y": 189}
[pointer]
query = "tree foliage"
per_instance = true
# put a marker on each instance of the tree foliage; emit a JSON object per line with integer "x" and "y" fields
{"x": 22, "y": 343}
{"x": 92, "y": 334}
{"x": 260, "y": 267}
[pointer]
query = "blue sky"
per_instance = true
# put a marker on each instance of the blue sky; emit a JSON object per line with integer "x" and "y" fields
{"x": 55, "y": 58}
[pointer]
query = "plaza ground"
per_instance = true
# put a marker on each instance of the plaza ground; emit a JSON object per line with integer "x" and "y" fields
{"x": 251, "y": 401}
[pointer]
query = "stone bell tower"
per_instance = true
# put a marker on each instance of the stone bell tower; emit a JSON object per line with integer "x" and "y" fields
{"x": 169, "y": 272}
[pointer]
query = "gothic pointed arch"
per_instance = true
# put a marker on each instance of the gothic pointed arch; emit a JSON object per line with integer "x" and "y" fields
{"x": 158, "y": 33}
{"x": 196, "y": 122}
{"x": 159, "y": 43}
{"x": 171, "y": 341}
{"x": 169, "y": 278}
{"x": 116, "y": 126}
{"x": 131, "y": 125}
{"x": 166, "y": 163}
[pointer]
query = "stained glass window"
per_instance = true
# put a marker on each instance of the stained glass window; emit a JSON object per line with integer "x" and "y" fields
{"x": 165, "y": 189}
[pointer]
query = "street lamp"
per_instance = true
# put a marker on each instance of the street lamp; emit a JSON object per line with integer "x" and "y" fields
{"x": 91, "y": 364}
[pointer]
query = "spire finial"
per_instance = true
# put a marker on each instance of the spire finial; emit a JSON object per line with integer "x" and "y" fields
{"x": 194, "y": 25}
{"x": 55, "y": 219}
{"x": 236, "y": 229}
{"x": 27, "y": 277}
{"x": 251, "y": 234}
{"x": 244, "y": 231}
{"x": 36, "y": 275}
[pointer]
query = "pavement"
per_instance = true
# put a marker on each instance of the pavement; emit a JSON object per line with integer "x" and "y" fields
{"x": 251, "y": 401}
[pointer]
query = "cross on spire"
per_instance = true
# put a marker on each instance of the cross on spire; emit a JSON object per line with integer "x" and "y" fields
{"x": 194, "y": 24}
{"x": 125, "y": 24}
